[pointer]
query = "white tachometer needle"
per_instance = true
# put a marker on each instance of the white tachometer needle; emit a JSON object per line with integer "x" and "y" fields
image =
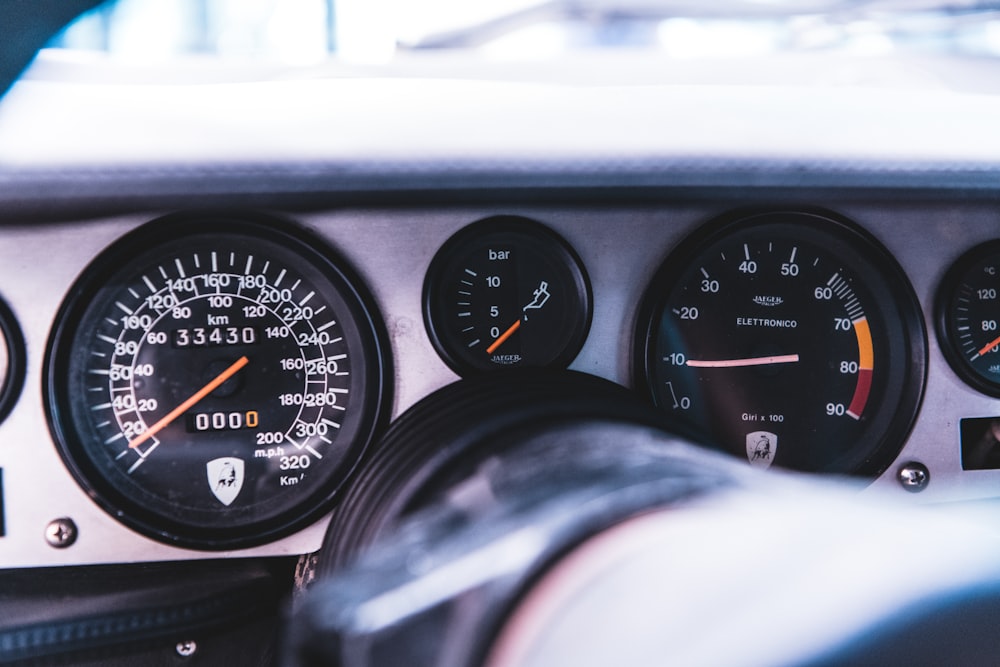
{"x": 735, "y": 363}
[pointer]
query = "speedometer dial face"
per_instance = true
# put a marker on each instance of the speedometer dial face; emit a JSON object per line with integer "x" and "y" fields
{"x": 211, "y": 382}
{"x": 786, "y": 338}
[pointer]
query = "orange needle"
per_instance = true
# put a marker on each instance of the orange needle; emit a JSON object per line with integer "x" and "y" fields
{"x": 186, "y": 405}
{"x": 503, "y": 337}
{"x": 988, "y": 346}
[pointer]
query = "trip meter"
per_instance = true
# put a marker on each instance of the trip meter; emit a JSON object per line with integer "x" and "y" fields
{"x": 212, "y": 381}
{"x": 788, "y": 338}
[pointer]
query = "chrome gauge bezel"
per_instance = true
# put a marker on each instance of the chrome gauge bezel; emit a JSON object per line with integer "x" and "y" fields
{"x": 121, "y": 267}
{"x": 900, "y": 350}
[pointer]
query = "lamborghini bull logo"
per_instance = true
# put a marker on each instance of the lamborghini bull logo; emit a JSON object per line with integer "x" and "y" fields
{"x": 225, "y": 478}
{"x": 761, "y": 447}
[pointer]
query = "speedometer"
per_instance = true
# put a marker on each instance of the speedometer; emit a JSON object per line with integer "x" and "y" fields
{"x": 212, "y": 381}
{"x": 789, "y": 338}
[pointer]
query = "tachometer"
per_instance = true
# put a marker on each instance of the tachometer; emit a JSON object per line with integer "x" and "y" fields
{"x": 211, "y": 381}
{"x": 788, "y": 338}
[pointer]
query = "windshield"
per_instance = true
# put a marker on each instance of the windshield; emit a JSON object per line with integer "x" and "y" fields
{"x": 298, "y": 32}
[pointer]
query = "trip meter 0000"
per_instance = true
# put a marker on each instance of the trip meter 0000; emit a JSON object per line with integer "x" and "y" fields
{"x": 786, "y": 337}
{"x": 212, "y": 381}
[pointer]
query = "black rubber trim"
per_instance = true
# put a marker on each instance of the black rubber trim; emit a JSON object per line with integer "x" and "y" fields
{"x": 443, "y": 436}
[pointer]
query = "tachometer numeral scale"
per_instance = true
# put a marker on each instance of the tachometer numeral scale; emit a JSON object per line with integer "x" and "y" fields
{"x": 767, "y": 335}
{"x": 217, "y": 376}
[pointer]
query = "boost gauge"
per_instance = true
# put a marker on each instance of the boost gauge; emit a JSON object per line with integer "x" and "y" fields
{"x": 788, "y": 338}
{"x": 506, "y": 292}
{"x": 212, "y": 381}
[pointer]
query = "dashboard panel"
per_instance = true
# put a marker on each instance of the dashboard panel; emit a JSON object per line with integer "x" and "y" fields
{"x": 621, "y": 245}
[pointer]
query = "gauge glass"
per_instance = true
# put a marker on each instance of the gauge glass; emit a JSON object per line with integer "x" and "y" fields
{"x": 212, "y": 382}
{"x": 506, "y": 292}
{"x": 786, "y": 338}
{"x": 968, "y": 317}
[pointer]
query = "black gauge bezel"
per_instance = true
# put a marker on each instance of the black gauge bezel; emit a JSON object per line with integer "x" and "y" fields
{"x": 443, "y": 338}
{"x": 892, "y": 293}
{"x": 16, "y": 360}
{"x": 947, "y": 340}
{"x": 365, "y": 330}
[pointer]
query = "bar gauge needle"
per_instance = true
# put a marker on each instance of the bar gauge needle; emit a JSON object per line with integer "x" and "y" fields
{"x": 541, "y": 297}
{"x": 502, "y": 338}
{"x": 190, "y": 402}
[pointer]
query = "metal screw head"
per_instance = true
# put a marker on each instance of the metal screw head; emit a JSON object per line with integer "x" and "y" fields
{"x": 914, "y": 476}
{"x": 61, "y": 533}
{"x": 186, "y": 649}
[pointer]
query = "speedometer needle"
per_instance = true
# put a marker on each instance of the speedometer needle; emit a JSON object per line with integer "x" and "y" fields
{"x": 186, "y": 405}
{"x": 736, "y": 363}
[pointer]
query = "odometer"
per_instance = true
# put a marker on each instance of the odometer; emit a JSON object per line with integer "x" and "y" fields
{"x": 787, "y": 338}
{"x": 211, "y": 382}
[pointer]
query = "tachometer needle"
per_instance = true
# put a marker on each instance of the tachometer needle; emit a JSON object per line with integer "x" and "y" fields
{"x": 736, "y": 363}
{"x": 503, "y": 337}
{"x": 186, "y": 405}
{"x": 989, "y": 346}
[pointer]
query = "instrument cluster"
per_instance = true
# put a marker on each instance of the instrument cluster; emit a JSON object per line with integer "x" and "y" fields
{"x": 208, "y": 382}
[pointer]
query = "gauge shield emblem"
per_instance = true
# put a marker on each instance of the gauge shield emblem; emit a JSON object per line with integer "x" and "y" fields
{"x": 761, "y": 448}
{"x": 225, "y": 478}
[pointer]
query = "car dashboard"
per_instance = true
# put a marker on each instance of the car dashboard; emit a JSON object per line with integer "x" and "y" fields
{"x": 378, "y": 175}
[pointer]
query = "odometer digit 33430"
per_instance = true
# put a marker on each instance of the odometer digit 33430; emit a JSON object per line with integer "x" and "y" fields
{"x": 212, "y": 381}
{"x": 789, "y": 338}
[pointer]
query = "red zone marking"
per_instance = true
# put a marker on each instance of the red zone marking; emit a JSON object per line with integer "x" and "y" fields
{"x": 861, "y": 393}
{"x": 866, "y": 364}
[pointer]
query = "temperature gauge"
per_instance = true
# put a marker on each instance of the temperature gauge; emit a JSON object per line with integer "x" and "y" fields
{"x": 968, "y": 317}
{"x": 503, "y": 292}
